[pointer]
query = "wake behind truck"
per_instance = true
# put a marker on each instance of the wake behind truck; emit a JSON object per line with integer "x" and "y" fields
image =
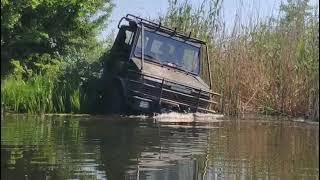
{"x": 152, "y": 68}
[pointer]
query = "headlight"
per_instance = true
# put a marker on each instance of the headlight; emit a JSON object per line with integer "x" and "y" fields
{"x": 144, "y": 104}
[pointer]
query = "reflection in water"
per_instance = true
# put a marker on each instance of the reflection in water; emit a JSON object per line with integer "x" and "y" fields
{"x": 168, "y": 146}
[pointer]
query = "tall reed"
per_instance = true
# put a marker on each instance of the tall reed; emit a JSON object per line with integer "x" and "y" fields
{"x": 263, "y": 65}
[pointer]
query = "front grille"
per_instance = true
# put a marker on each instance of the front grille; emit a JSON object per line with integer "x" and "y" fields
{"x": 191, "y": 101}
{"x": 152, "y": 90}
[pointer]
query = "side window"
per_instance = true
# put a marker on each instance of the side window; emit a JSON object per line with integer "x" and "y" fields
{"x": 129, "y": 37}
{"x": 124, "y": 37}
{"x": 122, "y": 44}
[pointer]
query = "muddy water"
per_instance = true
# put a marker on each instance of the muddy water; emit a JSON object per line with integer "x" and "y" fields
{"x": 169, "y": 146}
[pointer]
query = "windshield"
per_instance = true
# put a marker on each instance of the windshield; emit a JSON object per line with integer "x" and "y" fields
{"x": 169, "y": 51}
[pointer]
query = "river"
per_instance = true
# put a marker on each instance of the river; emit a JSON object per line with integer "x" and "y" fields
{"x": 166, "y": 147}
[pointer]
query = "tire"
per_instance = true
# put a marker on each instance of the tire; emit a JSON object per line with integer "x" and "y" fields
{"x": 115, "y": 102}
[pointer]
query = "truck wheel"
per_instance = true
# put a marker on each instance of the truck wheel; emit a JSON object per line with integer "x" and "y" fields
{"x": 115, "y": 102}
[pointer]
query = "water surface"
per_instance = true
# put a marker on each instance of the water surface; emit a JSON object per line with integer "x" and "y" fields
{"x": 169, "y": 146}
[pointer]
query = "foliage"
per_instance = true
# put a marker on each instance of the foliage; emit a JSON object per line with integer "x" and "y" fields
{"x": 33, "y": 94}
{"x": 52, "y": 27}
{"x": 50, "y": 56}
{"x": 68, "y": 85}
{"x": 200, "y": 21}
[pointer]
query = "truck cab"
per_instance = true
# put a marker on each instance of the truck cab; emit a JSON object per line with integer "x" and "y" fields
{"x": 153, "y": 69}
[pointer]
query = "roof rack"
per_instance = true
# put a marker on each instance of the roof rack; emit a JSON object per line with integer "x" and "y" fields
{"x": 159, "y": 27}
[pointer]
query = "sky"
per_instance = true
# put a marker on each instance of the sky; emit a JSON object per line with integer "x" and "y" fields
{"x": 154, "y": 8}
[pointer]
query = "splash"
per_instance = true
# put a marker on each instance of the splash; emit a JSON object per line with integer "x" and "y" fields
{"x": 141, "y": 116}
{"x": 187, "y": 117}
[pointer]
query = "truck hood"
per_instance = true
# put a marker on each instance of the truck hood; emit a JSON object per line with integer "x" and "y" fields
{"x": 171, "y": 74}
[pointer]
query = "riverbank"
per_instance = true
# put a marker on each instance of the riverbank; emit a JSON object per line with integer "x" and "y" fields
{"x": 269, "y": 66}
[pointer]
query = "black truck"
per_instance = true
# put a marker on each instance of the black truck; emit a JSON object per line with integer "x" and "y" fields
{"x": 152, "y": 68}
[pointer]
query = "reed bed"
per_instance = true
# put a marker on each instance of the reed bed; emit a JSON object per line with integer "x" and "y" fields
{"x": 267, "y": 66}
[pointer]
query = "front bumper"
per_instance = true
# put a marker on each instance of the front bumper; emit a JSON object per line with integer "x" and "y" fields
{"x": 142, "y": 104}
{"x": 159, "y": 95}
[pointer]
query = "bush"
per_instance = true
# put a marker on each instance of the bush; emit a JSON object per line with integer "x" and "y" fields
{"x": 61, "y": 87}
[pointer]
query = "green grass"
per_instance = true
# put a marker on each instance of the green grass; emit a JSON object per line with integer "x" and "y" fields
{"x": 58, "y": 92}
{"x": 33, "y": 96}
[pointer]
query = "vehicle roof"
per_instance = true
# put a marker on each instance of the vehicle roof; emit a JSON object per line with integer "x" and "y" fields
{"x": 161, "y": 28}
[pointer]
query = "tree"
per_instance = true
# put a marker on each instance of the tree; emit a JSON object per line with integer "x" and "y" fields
{"x": 49, "y": 27}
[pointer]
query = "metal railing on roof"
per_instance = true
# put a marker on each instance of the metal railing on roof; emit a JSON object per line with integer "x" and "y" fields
{"x": 160, "y": 27}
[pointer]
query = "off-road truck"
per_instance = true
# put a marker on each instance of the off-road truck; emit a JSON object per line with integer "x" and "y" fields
{"x": 152, "y": 68}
